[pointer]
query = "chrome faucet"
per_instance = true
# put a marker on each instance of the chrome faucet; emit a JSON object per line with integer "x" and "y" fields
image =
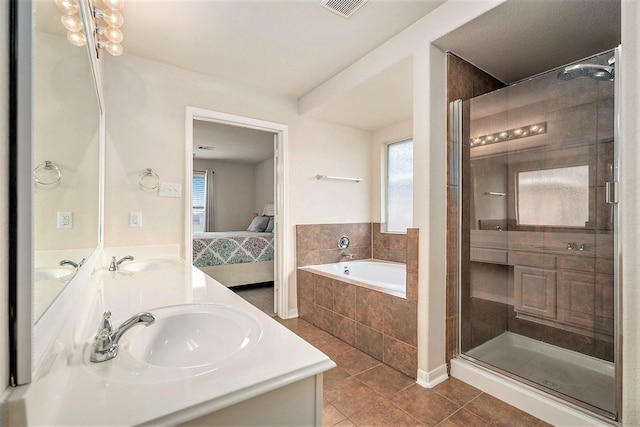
{"x": 73, "y": 264}
{"x": 347, "y": 255}
{"x": 116, "y": 264}
{"x": 105, "y": 344}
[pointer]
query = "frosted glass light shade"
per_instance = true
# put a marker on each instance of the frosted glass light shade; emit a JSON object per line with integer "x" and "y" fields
{"x": 76, "y": 38}
{"x": 113, "y": 34}
{"x": 113, "y": 18}
{"x": 114, "y": 49}
{"x": 114, "y": 4}
{"x": 70, "y": 7}
{"x": 71, "y": 22}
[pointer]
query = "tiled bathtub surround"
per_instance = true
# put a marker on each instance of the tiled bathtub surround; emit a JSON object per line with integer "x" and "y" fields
{"x": 381, "y": 325}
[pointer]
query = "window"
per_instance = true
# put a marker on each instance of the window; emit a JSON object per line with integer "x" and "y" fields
{"x": 399, "y": 186}
{"x": 554, "y": 197}
{"x": 198, "y": 200}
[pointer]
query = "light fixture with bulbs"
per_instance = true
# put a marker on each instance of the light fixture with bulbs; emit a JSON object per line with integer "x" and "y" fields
{"x": 109, "y": 36}
{"x": 106, "y": 22}
{"x": 509, "y": 135}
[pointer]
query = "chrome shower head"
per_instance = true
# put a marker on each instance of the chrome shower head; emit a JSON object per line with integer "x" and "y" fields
{"x": 594, "y": 71}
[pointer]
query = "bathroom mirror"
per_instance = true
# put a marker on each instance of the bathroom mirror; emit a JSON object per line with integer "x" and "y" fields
{"x": 65, "y": 156}
{"x": 56, "y": 120}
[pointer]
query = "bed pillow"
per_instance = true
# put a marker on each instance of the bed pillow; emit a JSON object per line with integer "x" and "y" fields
{"x": 258, "y": 224}
{"x": 269, "y": 228}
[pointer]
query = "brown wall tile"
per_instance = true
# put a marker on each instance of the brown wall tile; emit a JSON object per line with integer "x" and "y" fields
{"x": 464, "y": 81}
{"x": 344, "y": 299}
{"x": 412, "y": 287}
{"x": 318, "y": 243}
{"x": 401, "y": 320}
{"x": 344, "y": 328}
{"x": 412, "y": 250}
{"x": 370, "y": 341}
{"x": 323, "y": 291}
{"x": 401, "y": 356}
{"x": 370, "y": 308}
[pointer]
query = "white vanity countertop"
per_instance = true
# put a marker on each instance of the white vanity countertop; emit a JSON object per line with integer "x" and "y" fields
{"x": 69, "y": 390}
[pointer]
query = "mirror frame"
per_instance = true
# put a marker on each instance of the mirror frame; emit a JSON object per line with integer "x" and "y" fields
{"x": 28, "y": 343}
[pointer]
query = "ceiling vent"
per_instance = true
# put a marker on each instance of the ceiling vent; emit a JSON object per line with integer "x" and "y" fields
{"x": 344, "y": 8}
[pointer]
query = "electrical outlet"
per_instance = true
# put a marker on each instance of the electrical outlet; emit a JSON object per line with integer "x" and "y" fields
{"x": 135, "y": 219}
{"x": 65, "y": 220}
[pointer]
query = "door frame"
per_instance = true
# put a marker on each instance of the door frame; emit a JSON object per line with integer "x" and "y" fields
{"x": 281, "y": 218}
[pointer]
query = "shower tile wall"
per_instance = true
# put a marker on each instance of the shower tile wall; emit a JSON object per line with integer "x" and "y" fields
{"x": 464, "y": 81}
{"x": 570, "y": 117}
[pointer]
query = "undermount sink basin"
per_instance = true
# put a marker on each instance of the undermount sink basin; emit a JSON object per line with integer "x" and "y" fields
{"x": 184, "y": 341}
{"x": 51, "y": 273}
{"x": 148, "y": 265}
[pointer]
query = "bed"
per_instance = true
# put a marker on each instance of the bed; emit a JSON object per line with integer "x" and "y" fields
{"x": 235, "y": 258}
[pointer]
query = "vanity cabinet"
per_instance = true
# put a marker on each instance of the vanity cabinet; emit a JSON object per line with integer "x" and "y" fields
{"x": 571, "y": 290}
{"x": 535, "y": 291}
{"x": 564, "y": 291}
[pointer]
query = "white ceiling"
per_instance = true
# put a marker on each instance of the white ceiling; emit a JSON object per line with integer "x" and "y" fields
{"x": 280, "y": 46}
{"x": 292, "y": 46}
{"x": 522, "y": 38}
{"x": 231, "y": 143}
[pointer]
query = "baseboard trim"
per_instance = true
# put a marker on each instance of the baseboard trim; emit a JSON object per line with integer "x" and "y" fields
{"x": 292, "y": 314}
{"x": 432, "y": 378}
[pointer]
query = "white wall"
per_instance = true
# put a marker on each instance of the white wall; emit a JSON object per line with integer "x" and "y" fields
{"x": 66, "y": 132}
{"x": 233, "y": 193}
{"x": 264, "y": 175}
{"x": 630, "y": 210}
{"x": 4, "y": 195}
{"x": 145, "y": 107}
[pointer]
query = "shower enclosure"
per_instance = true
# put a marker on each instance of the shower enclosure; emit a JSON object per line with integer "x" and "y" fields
{"x": 537, "y": 162}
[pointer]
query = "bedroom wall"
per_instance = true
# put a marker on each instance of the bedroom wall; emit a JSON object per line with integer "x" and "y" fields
{"x": 264, "y": 175}
{"x": 234, "y": 193}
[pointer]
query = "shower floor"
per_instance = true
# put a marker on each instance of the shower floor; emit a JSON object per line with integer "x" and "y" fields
{"x": 581, "y": 377}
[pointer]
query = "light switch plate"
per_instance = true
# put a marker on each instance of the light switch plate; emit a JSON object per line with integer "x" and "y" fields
{"x": 135, "y": 219}
{"x": 65, "y": 220}
{"x": 170, "y": 189}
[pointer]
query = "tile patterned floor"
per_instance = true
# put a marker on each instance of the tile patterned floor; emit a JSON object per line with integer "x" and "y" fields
{"x": 361, "y": 391}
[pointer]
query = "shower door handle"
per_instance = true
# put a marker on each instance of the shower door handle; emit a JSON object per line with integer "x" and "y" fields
{"x": 611, "y": 192}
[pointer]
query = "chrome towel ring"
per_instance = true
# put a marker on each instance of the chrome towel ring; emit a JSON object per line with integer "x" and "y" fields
{"x": 47, "y": 173}
{"x": 149, "y": 180}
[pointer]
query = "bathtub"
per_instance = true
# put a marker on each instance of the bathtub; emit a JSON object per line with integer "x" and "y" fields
{"x": 383, "y": 276}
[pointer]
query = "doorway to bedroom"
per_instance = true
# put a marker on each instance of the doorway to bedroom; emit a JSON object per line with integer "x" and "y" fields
{"x": 234, "y": 214}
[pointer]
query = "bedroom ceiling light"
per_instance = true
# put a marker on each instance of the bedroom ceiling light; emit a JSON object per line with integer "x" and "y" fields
{"x": 509, "y": 135}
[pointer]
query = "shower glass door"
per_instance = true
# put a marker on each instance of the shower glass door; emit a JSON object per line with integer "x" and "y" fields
{"x": 538, "y": 218}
